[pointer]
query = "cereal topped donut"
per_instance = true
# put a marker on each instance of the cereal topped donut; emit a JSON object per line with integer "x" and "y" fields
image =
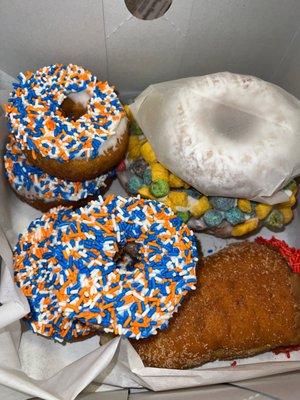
{"x": 43, "y": 191}
{"x": 142, "y": 173}
{"x": 75, "y": 149}
{"x": 74, "y": 268}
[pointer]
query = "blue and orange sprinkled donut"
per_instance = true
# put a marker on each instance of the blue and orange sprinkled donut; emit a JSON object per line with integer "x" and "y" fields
{"x": 44, "y": 191}
{"x": 78, "y": 149}
{"x": 71, "y": 267}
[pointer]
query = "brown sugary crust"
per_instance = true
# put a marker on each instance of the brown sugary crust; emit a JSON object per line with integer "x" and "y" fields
{"x": 78, "y": 170}
{"x": 44, "y": 206}
{"x": 247, "y": 302}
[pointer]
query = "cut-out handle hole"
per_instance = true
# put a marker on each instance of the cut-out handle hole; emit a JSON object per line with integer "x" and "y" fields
{"x": 148, "y": 9}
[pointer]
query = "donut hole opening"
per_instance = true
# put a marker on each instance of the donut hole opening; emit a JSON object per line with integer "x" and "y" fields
{"x": 74, "y": 105}
{"x": 128, "y": 256}
{"x": 232, "y": 123}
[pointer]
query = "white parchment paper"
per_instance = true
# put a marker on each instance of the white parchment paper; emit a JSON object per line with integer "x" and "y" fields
{"x": 225, "y": 134}
{"x": 33, "y": 366}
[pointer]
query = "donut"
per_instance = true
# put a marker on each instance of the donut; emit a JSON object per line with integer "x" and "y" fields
{"x": 43, "y": 191}
{"x": 116, "y": 265}
{"x": 76, "y": 150}
{"x": 142, "y": 173}
{"x": 225, "y": 134}
{"x": 246, "y": 302}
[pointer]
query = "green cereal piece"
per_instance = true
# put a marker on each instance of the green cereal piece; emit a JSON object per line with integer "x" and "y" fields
{"x": 159, "y": 188}
{"x": 135, "y": 129}
{"x": 183, "y": 215}
{"x": 275, "y": 220}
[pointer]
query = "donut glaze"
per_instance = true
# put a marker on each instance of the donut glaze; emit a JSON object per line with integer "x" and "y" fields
{"x": 71, "y": 267}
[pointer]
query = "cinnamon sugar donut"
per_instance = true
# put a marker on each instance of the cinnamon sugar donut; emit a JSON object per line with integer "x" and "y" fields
{"x": 79, "y": 149}
{"x": 247, "y": 302}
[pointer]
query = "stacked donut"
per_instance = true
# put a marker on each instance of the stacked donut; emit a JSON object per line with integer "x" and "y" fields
{"x": 68, "y": 131}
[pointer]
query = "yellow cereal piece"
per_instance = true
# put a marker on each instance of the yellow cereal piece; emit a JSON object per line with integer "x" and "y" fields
{"x": 287, "y": 213}
{"x": 128, "y": 112}
{"x": 158, "y": 171}
{"x": 145, "y": 193}
{"x": 179, "y": 199}
{"x": 244, "y": 205}
{"x": 134, "y": 147}
{"x": 262, "y": 210}
{"x": 175, "y": 182}
{"x": 168, "y": 203}
{"x": 290, "y": 203}
{"x": 200, "y": 206}
{"x": 148, "y": 153}
{"x": 244, "y": 228}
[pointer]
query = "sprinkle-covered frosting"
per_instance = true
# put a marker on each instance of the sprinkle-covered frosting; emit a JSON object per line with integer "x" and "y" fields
{"x": 69, "y": 264}
{"x": 37, "y": 121}
{"x": 33, "y": 183}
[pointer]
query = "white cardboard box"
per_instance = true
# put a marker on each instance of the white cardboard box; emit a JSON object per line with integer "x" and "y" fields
{"x": 194, "y": 37}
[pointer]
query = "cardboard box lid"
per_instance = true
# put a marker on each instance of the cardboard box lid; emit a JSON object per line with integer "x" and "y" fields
{"x": 194, "y": 37}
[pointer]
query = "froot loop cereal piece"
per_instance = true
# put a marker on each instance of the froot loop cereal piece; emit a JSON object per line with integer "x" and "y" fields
{"x": 227, "y": 212}
{"x": 176, "y": 182}
{"x": 134, "y": 147}
{"x": 148, "y": 153}
{"x": 69, "y": 265}
{"x": 145, "y": 193}
{"x": 287, "y": 214}
{"x": 262, "y": 210}
{"x": 199, "y": 207}
{"x": 159, "y": 188}
{"x": 36, "y": 118}
{"x": 179, "y": 199}
{"x": 159, "y": 172}
{"x": 245, "y": 228}
{"x": 244, "y": 205}
{"x": 42, "y": 190}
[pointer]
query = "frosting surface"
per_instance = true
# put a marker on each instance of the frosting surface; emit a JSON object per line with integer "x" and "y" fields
{"x": 33, "y": 183}
{"x": 36, "y": 119}
{"x": 70, "y": 266}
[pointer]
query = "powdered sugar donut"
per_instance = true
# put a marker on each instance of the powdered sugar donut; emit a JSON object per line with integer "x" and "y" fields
{"x": 43, "y": 191}
{"x": 225, "y": 134}
{"x": 76, "y": 150}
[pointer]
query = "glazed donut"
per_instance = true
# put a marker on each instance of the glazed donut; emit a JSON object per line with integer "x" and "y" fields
{"x": 76, "y": 150}
{"x": 43, "y": 191}
{"x": 246, "y": 302}
{"x": 142, "y": 173}
{"x": 72, "y": 268}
